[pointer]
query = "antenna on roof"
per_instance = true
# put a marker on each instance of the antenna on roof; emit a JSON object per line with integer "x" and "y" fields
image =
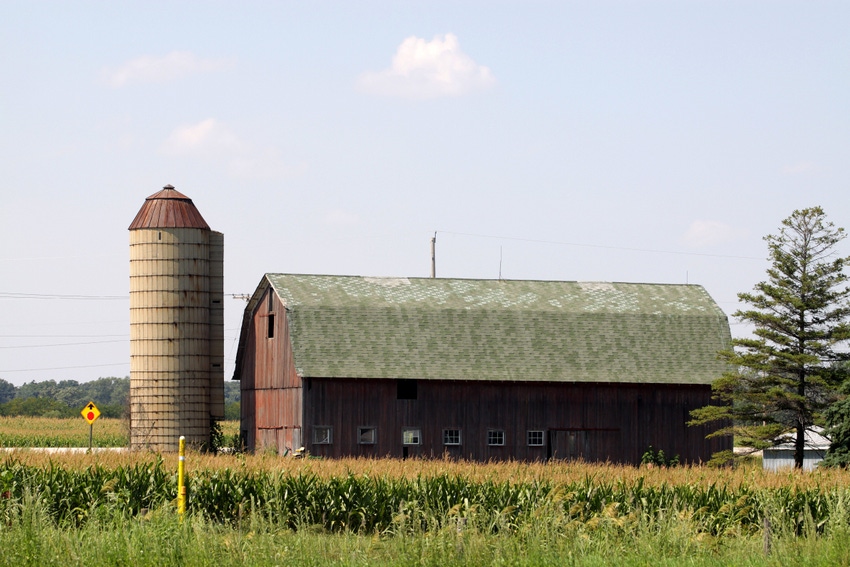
{"x": 434, "y": 255}
{"x": 500, "y": 263}
{"x": 243, "y": 296}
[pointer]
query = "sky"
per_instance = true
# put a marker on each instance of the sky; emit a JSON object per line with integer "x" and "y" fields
{"x": 634, "y": 141}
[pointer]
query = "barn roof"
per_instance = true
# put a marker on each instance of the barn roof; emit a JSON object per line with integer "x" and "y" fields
{"x": 458, "y": 329}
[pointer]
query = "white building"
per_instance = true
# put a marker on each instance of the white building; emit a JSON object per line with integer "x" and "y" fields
{"x": 782, "y": 456}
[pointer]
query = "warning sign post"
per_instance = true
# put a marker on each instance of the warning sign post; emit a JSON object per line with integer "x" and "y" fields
{"x": 90, "y": 413}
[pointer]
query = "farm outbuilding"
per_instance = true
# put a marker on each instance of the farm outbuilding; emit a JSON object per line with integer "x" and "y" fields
{"x": 478, "y": 369}
{"x": 782, "y": 455}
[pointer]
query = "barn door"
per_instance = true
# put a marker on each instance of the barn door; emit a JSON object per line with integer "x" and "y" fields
{"x": 588, "y": 444}
{"x": 567, "y": 445}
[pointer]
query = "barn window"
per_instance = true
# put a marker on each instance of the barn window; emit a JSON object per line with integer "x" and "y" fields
{"x": 411, "y": 436}
{"x": 451, "y": 436}
{"x": 406, "y": 390}
{"x": 323, "y": 435}
{"x": 495, "y": 436}
{"x": 535, "y": 438}
{"x": 270, "y": 333}
{"x": 367, "y": 435}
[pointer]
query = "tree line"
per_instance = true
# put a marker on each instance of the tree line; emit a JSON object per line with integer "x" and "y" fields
{"x": 66, "y": 398}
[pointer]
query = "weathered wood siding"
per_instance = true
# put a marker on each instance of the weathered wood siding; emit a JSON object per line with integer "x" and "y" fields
{"x": 271, "y": 388}
{"x": 596, "y": 422}
{"x": 614, "y": 422}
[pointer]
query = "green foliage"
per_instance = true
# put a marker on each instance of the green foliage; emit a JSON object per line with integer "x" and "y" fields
{"x": 651, "y": 457}
{"x": 7, "y": 391}
{"x": 216, "y": 437}
{"x": 159, "y": 538}
{"x": 232, "y": 411}
{"x": 67, "y": 397}
{"x": 783, "y": 380}
{"x": 395, "y": 506}
{"x": 838, "y": 431}
{"x": 44, "y": 407}
{"x": 232, "y": 392}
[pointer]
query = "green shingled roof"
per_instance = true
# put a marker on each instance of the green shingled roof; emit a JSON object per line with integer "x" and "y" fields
{"x": 360, "y": 327}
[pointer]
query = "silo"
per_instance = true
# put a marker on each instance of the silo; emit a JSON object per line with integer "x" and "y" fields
{"x": 176, "y": 324}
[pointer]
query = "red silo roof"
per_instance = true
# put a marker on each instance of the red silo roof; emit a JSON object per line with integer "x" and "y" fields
{"x": 168, "y": 208}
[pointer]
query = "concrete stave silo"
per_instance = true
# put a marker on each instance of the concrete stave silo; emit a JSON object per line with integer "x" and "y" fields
{"x": 176, "y": 324}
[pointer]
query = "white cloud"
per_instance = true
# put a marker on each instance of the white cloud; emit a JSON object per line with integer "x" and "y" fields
{"x": 149, "y": 69}
{"x": 798, "y": 168}
{"x": 211, "y": 141}
{"x": 207, "y": 138}
{"x": 704, "y": 233}
{"x": 339, "y": 217}
{"x": 261, "y": 165}
{"x": 428, "y": 69}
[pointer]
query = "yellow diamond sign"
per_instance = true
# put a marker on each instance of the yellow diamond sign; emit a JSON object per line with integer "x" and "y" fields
{"x": 90, "y": 412}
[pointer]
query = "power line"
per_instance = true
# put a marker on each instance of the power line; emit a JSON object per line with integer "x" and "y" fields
{"x": 60, "y": 336}
{"x": 60, "y": 323}
{"x": 64, "y": 344}
{"x": 12, "y": 295}
{"x": 599, "y": 246}
{"x": 87, "y": 256}
{"x": 63, "y": 368}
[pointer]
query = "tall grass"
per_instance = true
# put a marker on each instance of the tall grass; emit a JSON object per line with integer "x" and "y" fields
{"x": 31, "y": 537}
{"x": 119, "y": 509}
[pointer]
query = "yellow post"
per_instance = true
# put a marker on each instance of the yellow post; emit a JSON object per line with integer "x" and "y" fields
{"x": 181, "y": 485}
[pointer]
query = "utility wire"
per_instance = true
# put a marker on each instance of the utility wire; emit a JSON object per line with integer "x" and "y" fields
{"x": 60, "y": 336}
{"x": 599, "y": 246}
{"x": 64, "y": 367}
{"x": 12, "y": 295}
{"x": 64, "y": 344}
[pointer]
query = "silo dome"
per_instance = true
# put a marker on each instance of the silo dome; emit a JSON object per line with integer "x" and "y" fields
{"x": 176, "y": 324}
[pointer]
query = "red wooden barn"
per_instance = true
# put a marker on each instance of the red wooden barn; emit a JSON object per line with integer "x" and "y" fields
{"x": 478, "y": 369}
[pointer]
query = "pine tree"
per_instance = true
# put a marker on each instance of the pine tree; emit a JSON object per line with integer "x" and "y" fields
{"x": 781, "y": 380}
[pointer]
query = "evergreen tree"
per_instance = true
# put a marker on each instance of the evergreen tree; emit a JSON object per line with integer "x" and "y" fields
{"x": 782, "y": 380}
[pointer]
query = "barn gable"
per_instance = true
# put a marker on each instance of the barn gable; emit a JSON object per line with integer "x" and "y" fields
{"x": 500, "y": 330}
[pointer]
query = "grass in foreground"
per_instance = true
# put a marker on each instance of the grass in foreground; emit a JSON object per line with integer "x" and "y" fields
{"x": 118, "y": 509}
{"x": 29, "y": 537}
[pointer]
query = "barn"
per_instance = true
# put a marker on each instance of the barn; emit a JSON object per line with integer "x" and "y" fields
{"x": 478, "y": 369}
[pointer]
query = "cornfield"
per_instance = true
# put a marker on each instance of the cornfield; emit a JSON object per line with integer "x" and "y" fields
{"x": 393, "y": 497}
{"x": 74, "y": 432}
{"x": 56, "y": 432}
